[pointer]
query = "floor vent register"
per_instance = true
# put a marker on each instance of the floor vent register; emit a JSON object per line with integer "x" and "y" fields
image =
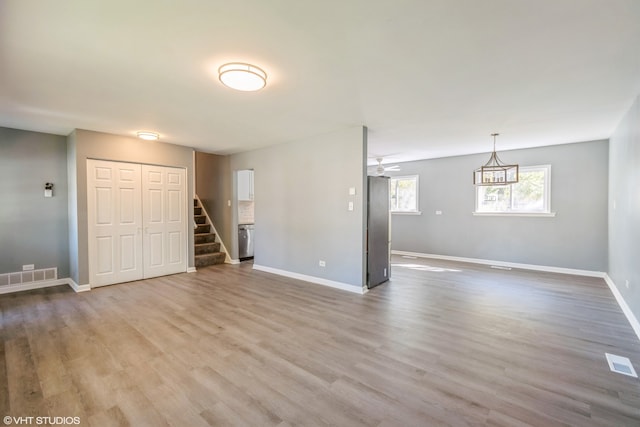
{"x": 621, "y": 365}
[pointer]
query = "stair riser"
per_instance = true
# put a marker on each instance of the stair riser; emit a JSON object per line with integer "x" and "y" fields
{"x": 197, "y": 211}
{"x": 202, "y": 228}
{"x": 210, "y": 259}
{"x": 208, "y": 249}
{"x": 204, "y": 238}
{"x": 200, "y": 219}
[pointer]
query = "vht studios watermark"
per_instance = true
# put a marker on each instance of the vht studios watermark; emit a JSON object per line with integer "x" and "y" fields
{"x": 40, "y": 421}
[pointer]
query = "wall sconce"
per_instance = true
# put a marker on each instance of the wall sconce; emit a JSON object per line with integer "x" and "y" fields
{"x": 48, "y": 189}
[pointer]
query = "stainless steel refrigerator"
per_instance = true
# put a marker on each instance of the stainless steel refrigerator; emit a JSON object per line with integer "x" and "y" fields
{"x": 378, "y": 231}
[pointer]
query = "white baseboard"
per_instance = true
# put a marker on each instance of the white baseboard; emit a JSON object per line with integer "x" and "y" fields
{"x": 312, "y": 279}
{"x": 45, "y": 284}
{"x": 191, "y": 270}
{"x": 549, "y": 269}
{"x": 231, "y": 261}
{"x": 32, "y": 285}
{"x": 623, "y": 305}
{"x": 77, "y": 288}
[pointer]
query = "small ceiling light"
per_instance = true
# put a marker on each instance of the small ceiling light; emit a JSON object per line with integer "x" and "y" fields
{"x": 241, "y": 76}
{"x": 149, "y": 136}
{"x": 494, "y": 172}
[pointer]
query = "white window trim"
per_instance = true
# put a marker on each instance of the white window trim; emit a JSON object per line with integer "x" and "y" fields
{"x": 532, "y": 214}
{"x": 417, "y": 210}
{"x": 547, "y": 199}
{"x": 406, "y": 212}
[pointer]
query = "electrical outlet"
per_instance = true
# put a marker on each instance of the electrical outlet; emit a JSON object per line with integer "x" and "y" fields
{"x": 350, "y": 207}
{"x": 28, "y": 267}
{"x": 626, "y": 283}
{"x": 322, "y": 263}
{"x": 438, "y": 212}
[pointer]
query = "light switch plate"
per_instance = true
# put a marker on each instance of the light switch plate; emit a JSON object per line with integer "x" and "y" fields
{"x": 352, "y": 191}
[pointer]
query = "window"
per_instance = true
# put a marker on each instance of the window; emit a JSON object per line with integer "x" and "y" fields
{"x": 404, "y": 194}
{"x": 530, "y": 195}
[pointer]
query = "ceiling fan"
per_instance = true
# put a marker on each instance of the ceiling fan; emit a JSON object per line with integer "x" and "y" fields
{"x": 381, "y": 169}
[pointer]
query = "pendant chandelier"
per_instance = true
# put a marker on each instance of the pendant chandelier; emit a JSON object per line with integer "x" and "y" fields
{"x": 494, "y": 172}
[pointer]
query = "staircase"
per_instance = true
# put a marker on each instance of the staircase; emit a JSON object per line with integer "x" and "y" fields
{"x": 207, "y": 250}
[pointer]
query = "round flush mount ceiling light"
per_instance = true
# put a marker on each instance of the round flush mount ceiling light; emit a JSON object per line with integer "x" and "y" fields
{"x": 149, "y": 136}
{"x": 241, "y": 76}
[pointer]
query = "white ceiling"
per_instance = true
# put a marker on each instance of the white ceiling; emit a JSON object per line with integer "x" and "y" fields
{"x": 430, "y": 78}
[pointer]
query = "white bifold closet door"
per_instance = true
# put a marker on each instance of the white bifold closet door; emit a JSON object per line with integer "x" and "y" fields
{"x": 137, "y": 221}
{"x": 114, "y": 209}
{"x": 164, "y": 220}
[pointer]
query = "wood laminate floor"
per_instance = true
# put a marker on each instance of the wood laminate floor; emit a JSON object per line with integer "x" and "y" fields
{"x": 443, "y": 343}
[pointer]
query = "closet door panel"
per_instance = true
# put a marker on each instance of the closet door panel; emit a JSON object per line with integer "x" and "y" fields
{"x": 164, "y": 219}
{"x": 115, "y": 222}
{"x": 104, "y": 256}
{"x": 176, "y": 214}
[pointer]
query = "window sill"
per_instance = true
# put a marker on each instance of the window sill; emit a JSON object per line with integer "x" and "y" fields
{"x": 406, "y": 213}
{"x": 529, "y": 214}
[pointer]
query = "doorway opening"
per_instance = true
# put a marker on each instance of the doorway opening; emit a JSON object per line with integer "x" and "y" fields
{"x": 246, "y": 209}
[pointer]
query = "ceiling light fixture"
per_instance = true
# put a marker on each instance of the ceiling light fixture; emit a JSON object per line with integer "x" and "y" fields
{"x": 149, "y": 136}
{"x": 494, "y": 172}
{"x": 241, "y": 76}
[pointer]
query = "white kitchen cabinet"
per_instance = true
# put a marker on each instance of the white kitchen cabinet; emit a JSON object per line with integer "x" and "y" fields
{"x": 245, "y": 185}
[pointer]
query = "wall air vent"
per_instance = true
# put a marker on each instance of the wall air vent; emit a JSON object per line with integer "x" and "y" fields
{"x": 621, "y": 365}
{"x": 26, "y": 277}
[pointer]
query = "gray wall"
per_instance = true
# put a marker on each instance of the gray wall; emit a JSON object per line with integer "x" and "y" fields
{"x": 301, "y": 199}
{"x": 72, "y": 209}
{"x": 214, "y": 188}
{"x": 576, "y": 238}
{"x": 83, "y": 145}
{"x": 33, "y": 229}
{"x": 624, "y": 208}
